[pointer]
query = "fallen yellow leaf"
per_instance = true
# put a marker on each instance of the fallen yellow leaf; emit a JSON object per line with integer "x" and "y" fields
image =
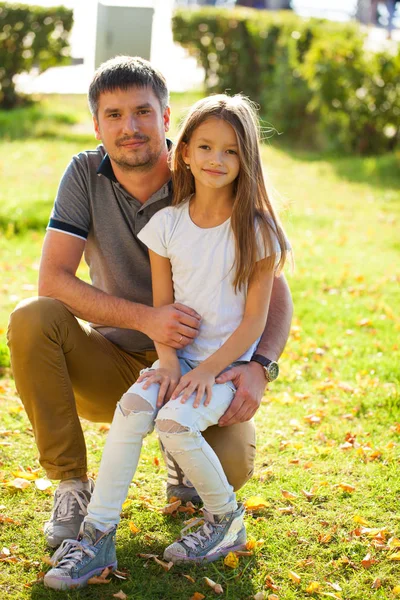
{"x": 260, "y": 596}
{"x": 395, "y": 556}
{"x": 294, "y": 577}
{"x": 360, "y": 520}
{"x": 255, "y": 503}
{"x": 231, "y": 560}
{"x": 121, "y": 595}
{"x": 133, "y": 527}
{"x": 189, "y": 578}
{"x": 25, "y": 475}
{"x": 98, "y": 580}
{"x": 43, "y": 484}
{"x": 376, "y": 584}
{"x": 313, "y": 586}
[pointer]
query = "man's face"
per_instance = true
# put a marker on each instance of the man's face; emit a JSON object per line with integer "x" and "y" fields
{"x": 132, "y": 127}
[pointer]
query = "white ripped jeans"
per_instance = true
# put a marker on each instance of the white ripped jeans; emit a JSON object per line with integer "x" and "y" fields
{"x": 179, "y": 427}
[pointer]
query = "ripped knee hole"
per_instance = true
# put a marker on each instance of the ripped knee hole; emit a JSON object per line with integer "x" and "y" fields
{"x": 134, "y": 403}
{"x": 170, "y": 426}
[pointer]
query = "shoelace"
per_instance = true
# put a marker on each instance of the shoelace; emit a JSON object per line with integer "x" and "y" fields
{"x": 198, "y": 537}
{"x": 69, "y": 553}
{"x": 65, "y": 502}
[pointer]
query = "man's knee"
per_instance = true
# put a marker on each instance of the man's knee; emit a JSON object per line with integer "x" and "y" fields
{"x": 32, "y": 316}
{"x": 235, "y": 448}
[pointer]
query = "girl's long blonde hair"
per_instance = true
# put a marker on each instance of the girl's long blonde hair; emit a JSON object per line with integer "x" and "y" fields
{"x": 251, "y": 203}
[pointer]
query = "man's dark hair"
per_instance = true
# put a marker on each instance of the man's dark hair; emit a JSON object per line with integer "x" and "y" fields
{"x": 123, "y": 72}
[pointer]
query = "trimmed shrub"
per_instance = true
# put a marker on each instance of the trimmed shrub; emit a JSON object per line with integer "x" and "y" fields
{"x": 314, "y": 79}
{"x": 30, "y": 36}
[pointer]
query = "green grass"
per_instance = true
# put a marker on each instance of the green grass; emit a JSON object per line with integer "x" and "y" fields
{"x": 341, "y": 366}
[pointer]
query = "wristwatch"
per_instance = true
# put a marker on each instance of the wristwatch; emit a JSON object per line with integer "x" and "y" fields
{"x": 271, "y": 368}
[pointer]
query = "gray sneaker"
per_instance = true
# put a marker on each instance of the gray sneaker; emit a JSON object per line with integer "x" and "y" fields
{"x": 178, "y": 485}
{"x": 70, "y": 507}
{"x": 218, "y": 536}
{"x": 76, "y": 561}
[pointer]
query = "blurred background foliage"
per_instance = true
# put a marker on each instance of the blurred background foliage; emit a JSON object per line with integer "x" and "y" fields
{"x": 30, "y": 36}
{"x": 313, "y": 79}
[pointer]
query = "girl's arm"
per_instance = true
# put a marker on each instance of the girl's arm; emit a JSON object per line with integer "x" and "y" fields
{"x": 168, "y": 372}
{"x": 250, "y": 329}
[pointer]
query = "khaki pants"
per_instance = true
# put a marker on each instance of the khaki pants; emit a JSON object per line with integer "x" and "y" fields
{"x": 64, "y": 370}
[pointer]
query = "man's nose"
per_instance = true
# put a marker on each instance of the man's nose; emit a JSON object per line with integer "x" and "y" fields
{"x": 130, "y": 124}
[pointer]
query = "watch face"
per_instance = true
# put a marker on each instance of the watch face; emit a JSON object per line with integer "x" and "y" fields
{"x": 273, "y": 370}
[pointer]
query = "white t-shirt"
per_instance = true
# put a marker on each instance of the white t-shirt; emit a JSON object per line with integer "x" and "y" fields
{"x": 202, "y": 273}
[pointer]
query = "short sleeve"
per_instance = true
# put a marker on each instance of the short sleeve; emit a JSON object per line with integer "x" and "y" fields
{"x": 155, "y": 233}
{"x": 71, "y": 210}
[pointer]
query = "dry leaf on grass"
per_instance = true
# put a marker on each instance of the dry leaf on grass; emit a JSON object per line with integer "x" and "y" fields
{"x": 273, "y": 597}
{"x": 98, "y": 580}
{"x": 29, "y": 476}
{"x": 395, "y": 556}
{"x": 43, "y": 484}
{"x": 335, "y": 586}
{"x": 376, "y": 584}
{"x": 148, "y": 555}
{"x": 368, "y": 561}
{"x": 170, "y": 508}
{"x": 197, "y": 596}
{"x": 396, "y": 590}
{"x": 166, "y": 566}
{"x": 18, "y": 484}
{"x": 289, "y": 495}
{"x": 189, "y": 578}
{"x": 313, "y": 587}
{"x": 346, "y": 487}
{"x": 360, "y": 520}
{"x": 121, "y": 595}
{"x": 255, "y": 503}
{"x": 231, "y": 560}
{"x": 260, "y": 596}
{"x": 156, "y": 461}
{"x": 331, "y": 595}
{"x": 101, "y": 578}
{"x": 216, "y": 587}
{"x": 294, "y": 577}
{"x": 133, "y": 528}
{"x": 47, "y": 561}
{"x": 269, "y": 583}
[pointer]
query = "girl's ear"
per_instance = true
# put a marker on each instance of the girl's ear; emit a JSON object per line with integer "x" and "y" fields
{"x": 185, "y": 153}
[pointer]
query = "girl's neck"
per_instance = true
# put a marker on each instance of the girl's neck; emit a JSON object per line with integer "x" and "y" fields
{"x": 210, "y": 207}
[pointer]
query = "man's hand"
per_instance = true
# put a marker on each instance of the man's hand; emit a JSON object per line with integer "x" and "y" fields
{"x": 174, "y": 325}
{"x": 250, "y": 383}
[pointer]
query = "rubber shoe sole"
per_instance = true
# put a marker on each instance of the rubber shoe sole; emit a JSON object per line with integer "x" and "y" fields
{"x": 67, "y": 583}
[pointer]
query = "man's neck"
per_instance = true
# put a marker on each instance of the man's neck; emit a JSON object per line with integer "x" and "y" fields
{"x": 143, "y": 184}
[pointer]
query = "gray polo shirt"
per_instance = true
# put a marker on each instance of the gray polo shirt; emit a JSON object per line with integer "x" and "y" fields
{"x": 92, "y": 205}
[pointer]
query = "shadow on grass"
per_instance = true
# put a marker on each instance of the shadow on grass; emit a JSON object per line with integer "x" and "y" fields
{"x": 378, "y": 171}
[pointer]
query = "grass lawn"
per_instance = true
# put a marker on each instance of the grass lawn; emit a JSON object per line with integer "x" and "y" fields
{"x": 327, "y": 471}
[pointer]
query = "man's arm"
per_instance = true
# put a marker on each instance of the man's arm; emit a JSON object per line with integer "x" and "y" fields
{"x": 174, "y": 325}
{"x": 250, "y": 379}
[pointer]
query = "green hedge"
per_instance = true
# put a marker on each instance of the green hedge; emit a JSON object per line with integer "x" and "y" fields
{"x": 313, "y": 78}
{"x": 30, "y": 36}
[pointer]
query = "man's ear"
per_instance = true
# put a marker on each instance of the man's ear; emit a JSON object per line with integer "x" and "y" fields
{"x": 96, "y": 128}
{"x": 167, "y": 118}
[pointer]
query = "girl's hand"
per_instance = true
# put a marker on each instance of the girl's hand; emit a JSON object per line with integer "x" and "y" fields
{"x": 198, "y": 379}
{"x": 166, "y": 377}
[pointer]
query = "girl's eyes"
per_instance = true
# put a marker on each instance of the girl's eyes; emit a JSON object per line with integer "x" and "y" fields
{"x": 205, "y": 147}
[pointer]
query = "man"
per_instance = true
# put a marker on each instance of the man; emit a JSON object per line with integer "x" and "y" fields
{"x": 63, "y": 367}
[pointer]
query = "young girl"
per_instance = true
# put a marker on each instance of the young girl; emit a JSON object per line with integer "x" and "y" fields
{"x": 216, "y": 249}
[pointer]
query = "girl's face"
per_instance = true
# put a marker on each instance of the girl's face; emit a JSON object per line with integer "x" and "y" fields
{"x": 212, "y": 154}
